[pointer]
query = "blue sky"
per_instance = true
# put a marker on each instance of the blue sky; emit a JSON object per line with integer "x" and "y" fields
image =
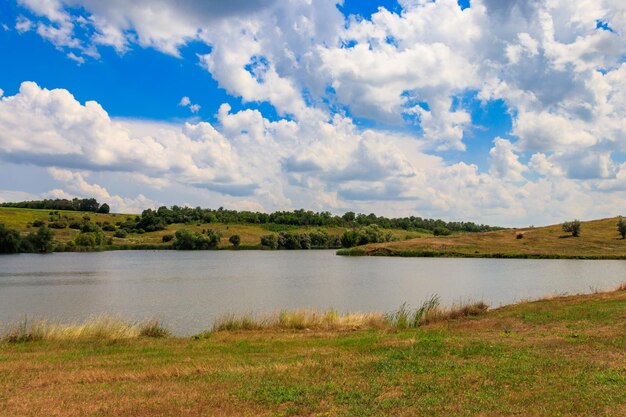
{"x": 441, "y": 109}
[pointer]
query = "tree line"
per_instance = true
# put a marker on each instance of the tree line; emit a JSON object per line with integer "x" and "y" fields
{"x": 153, "y": 220}
{"x": 75, "y": 204}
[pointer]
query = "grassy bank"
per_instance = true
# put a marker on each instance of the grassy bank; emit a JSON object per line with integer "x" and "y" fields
{"x": 556, "y": 357}
{"x": 599, "y": 239}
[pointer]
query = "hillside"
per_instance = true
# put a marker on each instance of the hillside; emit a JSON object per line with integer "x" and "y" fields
{"x": 598, "y": 239}
{"x": 21, "y": 218}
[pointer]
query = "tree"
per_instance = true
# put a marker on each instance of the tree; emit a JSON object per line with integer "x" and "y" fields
{"x": 621, "y": 227}
{"x": 10, "y": 240}
{"x": 104, "y": 209}
{"x": 572, "y": 227}
{"x": 235, "y": 240}
{"x": 41, "y": 241}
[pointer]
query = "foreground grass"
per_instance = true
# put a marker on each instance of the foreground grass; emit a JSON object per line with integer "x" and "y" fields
{"x": 558, "y": 357}
{"x": 599, "y": 240}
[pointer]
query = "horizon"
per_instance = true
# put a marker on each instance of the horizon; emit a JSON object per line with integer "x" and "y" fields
{"x": 504, "y": 113}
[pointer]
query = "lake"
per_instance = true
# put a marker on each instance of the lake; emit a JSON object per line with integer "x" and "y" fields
{"x": 187, "y": 290}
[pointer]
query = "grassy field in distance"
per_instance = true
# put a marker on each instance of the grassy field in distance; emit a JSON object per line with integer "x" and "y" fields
{"x": 598, "y": 239}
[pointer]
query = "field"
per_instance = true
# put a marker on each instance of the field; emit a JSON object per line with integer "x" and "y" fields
{"x": 555, "y": 357}
{"x": 19, "y": 218}
{"x": 598, "y": 239}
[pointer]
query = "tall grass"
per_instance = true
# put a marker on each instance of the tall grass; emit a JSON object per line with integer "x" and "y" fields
{"x": 403, "y": 318}
{"x": 300, "y": 320}
{"x": 102, "y": 327}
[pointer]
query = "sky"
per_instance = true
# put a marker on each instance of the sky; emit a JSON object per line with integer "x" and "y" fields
{"x": 505, "y": 112}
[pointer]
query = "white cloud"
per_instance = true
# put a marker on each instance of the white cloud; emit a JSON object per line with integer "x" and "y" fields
{"x": 186, "y": 102}
{"x": 562, "y": 79}
{"x": 504, "y": 163}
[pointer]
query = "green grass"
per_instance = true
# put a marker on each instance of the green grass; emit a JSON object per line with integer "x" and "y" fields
{"x": 599, "y": 239}
{"x": 553, "y": 357}
{"x": 18, "y": 218}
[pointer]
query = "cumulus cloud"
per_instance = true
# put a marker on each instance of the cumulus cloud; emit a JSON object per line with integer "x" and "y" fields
{"x": 562, "y": 79}
{"x": 186, "y": 102}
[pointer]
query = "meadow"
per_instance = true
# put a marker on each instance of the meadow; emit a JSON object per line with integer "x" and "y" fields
{"x": 599, "y": 239}
{"x": 562, "y": 356}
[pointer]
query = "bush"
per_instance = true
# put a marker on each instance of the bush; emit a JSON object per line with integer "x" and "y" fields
{"x": 319, "y": 239}
{"x": 121, "y": 233}
{"x": 441, "y": 231}
{"x": 167, "y": 238}
{"x": 108, "y": 227}
{"x": 188, "y": 240}
{"x": 58, "y": 225}
{"x": 86, "y": 240}
{"x": 235, "y": 240}
{"x": 270, "y": 241}
{"x": 572, "y": 227}
{"x": 75, "y": 225}
{"x": 519, "y": 236}
{"x": 40, "y": 241}
{"x": 39, "y": 223}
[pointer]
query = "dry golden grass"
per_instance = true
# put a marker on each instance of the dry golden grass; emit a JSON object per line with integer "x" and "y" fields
{"x": 301, "y": 320}
{"x": 101, "y": 327}
{"x": 598, "y": 239}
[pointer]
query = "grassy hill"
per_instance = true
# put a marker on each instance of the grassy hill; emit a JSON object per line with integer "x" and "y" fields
{"x": 20, "y": 218}
{"x": 555, "y": 357}
{"x": 598, "y": 239}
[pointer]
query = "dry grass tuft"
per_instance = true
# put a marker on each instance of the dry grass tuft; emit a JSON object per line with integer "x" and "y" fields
{"x": 431, "y": 312}
{"x": 301, "y": 320}
{"x": 404, "y": 318}
{"x": 102, "y": 327}
{"x": 621, "y": 287}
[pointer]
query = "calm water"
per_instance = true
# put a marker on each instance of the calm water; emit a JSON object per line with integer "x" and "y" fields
{"x": 188, "y": 289}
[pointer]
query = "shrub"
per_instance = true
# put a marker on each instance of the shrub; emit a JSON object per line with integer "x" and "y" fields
{"x": 167, "y": 238}
{"x": 319, "y": 239}
{"x": 441, "y": 231}
{"x": 75, "y": 225}
{"x": 108, "y": 227}
{"x": 572, "y": 227}
{"x": 40, "y": 241}
{"x": 188, "y": 240}
{"x": 121, "y": 233}
{"x": 39, "y": 223}
{"x": 519, "y": 236}
{"x": 235, "y": 240}
{"x": 58, "y": 225}
{"x": 270, "y": 241}
{"x": 86, "y": 240}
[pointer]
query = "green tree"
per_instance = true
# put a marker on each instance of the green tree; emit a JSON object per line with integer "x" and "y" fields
{"x": 104, "y": 209}
{"x": 10, "y": 240}
{"x": 621, "y": 227}
{"x": 572, "y": 227}
{"x": 42, "y": 240}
